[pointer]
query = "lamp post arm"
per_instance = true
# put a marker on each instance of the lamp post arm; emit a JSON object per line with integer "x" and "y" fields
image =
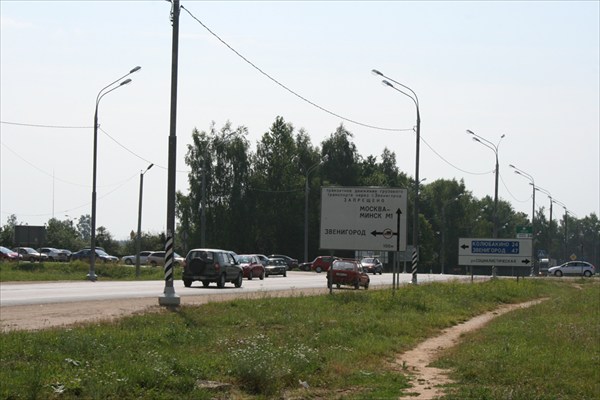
{"x": 117, "y": 80}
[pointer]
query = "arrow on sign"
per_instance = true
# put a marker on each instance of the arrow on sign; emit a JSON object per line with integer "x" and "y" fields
{"x": 526, "y": 261}
{"x": 387, "y": 233}
{"x": 464, "y": 246}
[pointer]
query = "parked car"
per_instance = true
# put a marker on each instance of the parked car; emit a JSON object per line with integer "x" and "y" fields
{"x": 157, "y": 258}
{"x": 264, "y": 260}
{"x": 573, "y": 268}
{"x": 347, "y": 272}
{"x": 372, "y": 265}
{"x": 130, "y": 260}
{"x": 276, "y": 266}
{"x": 211, "y": 265}
{"x": 251, "y": 266}
{"x": 319, "y": 264}
{"x": 101, "y": 256}
{"x": 7, "y": 254}
{"x": 30, "y": 254}
{"x": 54, "y": 254}
{"x": 291, "y": 262}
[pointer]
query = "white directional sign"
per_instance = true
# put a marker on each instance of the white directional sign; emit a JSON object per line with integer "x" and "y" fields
{"x": 494, "y": 252}
{"x": 363, "y": 218}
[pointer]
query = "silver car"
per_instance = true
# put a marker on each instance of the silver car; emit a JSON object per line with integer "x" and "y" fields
{"x": 573, "y": 268}
{"x": 130, "y": 260}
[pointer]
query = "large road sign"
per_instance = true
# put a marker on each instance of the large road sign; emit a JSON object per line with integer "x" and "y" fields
{"x": 494, "y": 252}
{"x": 363, "y": 218}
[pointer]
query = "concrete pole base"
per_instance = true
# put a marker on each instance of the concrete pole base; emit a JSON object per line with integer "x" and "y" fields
{"x": 169, "y": 299}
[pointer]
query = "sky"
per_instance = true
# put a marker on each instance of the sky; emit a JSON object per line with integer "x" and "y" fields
{"x": 526, "y": 70}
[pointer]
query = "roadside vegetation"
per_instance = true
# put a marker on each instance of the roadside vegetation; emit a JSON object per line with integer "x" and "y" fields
{"x": 330, "y": 346}
{"x": 75, "y": 271}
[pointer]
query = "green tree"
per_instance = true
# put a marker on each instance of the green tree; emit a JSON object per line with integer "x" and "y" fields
{"x": 342, "y": 166}
{"x": 63, "y": 235}
{"x": 7, "y": 232}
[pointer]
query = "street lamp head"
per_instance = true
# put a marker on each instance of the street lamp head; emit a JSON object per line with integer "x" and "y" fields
{"x": 502, "y": 137}
{"x": 375, "y": 72}
{"x": 135, "y": 69}
{"x": 512, "y": 166}
{"x": 386, "y": 83}
{"x": 125, "y": 82}
{"x": 470, "y": 132}
{"x": 477, "y": 139}
{"x": 149, "y": 166}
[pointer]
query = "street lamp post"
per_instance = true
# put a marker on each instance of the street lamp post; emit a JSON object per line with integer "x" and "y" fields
{"x": 413, "y": 96}
{"x": 306, "y": 190}
{"x": 494, "y": 148}
{"x": 549, "y": 244}
{"x": 138, "y": 240}
{"x": 103, "y": 92}
{"x": 532, "y": 183}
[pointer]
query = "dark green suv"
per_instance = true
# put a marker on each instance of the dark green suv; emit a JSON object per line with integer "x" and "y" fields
{"x": 211, "y": 265}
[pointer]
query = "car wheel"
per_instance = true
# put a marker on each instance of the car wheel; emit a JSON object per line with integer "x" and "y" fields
{"x": 187, "y": 283}
{"x": 337, "y": 285}
{"x": 318, "y": 269}
{"x": 128, "y": 262}
{"x": 153, "y": 264}
{"x": 284, "y": 274}
{"x": 206, "y": 283}
{"x": 239, "y": 280}
{"x": 221, "y": 281}
{"x": 262, "y": 276}
{"x": 50, "y": 259}
{"x": 356, "y": 285}
{"x": 558, "y": 273}
{"x": 250, "y": 276}
{"x": 367, "y": 286}
{"x": 587, "y": 273}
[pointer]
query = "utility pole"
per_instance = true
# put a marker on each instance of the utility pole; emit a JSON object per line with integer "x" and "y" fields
{"x": 169, "y": 297}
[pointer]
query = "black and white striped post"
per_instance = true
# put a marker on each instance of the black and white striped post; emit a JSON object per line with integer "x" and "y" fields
{"x": 169, "y": 298}
{"x": 415, "y": 262}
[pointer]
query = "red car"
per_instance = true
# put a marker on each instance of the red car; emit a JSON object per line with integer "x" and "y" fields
{"x": 347, "y": 272}
{"x": 252, "y": 266}
{"x": 9, "y": 255}
{"x": 319, "y": 264}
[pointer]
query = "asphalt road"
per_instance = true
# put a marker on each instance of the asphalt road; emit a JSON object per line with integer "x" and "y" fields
{"x": 14, "y": 294}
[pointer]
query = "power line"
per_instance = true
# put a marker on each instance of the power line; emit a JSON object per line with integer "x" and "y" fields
{"x": 45, "y": 126}
{"x": 287, "y": 88}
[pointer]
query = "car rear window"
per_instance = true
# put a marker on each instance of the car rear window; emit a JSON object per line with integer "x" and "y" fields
{"x": 343, "y": 265}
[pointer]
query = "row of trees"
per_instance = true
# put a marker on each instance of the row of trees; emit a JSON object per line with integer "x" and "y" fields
{"x": 255, "y": 201}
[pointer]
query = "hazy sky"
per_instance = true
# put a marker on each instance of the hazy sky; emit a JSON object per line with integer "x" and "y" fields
{"x": 529, "y": 70}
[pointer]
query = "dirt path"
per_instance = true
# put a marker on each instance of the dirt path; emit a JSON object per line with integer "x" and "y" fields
{"x": 426, "y": 380}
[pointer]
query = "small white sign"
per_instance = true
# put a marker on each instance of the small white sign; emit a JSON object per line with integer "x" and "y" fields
{"x": 363, "y": 218}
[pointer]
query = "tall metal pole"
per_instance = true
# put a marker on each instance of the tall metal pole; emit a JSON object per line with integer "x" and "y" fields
{"x": 203, "y": 202}
{"x": 92, "y": 272}
{"x": 413, "y": 96}
{"x": 532, "y": 183}
{"x": 169, "y": 297}
{"x": 306, "y": 219}
{"x": 138, "y": 239}
{"x": 494, "y": 148}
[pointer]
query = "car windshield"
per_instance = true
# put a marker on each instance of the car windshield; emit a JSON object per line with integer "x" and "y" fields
{"x": 244, "y": 259}
{"x": 277, "y": 261}
{"x": 101, "y": 253}
{"x": 368, "y": 261}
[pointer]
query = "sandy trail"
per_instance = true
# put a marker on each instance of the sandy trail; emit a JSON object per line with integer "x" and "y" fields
{"x": 426, "y": 380}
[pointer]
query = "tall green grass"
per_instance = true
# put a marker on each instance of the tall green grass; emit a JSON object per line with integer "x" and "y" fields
{"x": 551, "y": 352}
{"x": 71, "y": 271}
{"x": 339, "y": 345}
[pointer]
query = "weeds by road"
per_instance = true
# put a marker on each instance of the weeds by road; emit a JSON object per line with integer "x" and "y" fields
{"x": 330, "y": 346}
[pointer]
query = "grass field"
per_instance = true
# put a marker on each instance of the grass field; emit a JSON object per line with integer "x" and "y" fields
{"x": 339, "y": 344}
{"x": 73, "y": 271}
